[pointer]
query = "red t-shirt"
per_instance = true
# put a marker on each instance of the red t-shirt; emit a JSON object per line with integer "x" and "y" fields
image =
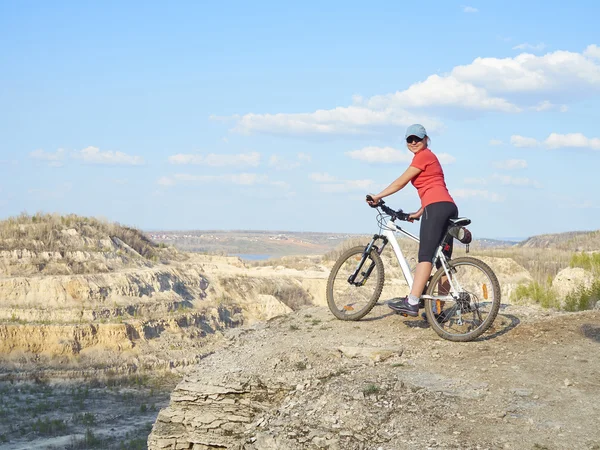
{"x": 430, "y": 183}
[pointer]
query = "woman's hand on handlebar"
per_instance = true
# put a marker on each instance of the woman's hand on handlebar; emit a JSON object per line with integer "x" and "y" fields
{"x": 415, "y": 216}
{"x": 373, "y": 200}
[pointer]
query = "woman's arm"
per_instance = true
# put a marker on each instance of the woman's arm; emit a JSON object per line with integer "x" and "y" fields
{"x": 397, "y": 184}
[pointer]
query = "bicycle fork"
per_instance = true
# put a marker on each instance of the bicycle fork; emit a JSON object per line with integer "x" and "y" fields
{"x": 365, "y": 255}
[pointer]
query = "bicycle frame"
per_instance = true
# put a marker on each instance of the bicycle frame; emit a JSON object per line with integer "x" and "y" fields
{"x": 389, "y": 235}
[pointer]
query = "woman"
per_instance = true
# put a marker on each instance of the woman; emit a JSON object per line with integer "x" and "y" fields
{"x": 437, "y": 206}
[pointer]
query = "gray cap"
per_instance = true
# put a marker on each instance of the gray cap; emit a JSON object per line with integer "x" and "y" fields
{"x": 416, "y": 130}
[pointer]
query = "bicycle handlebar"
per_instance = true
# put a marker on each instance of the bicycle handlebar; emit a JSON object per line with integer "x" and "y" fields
{"x": 400, "y": 215}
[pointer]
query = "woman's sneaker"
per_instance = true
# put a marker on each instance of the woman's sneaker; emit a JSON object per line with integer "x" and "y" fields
{"x": 401, "y": 306}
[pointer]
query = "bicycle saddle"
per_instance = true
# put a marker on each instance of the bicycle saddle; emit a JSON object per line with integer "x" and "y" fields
{"x": 459, "y": 221}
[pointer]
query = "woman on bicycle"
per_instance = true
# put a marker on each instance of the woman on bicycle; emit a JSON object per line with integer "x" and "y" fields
{"x": 437, "y": 206}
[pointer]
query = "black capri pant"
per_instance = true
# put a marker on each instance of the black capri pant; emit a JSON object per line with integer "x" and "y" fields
{"x": 434, "y": 223}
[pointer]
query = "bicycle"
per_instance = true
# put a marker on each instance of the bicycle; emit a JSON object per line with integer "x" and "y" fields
{"x": 461, "y": 299}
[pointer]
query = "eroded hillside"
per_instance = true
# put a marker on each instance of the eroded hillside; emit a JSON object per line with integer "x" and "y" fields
{"x": 78, "y": 293}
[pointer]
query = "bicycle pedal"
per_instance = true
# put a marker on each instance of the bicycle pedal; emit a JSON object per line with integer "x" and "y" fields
{"x": 404, "y": 315}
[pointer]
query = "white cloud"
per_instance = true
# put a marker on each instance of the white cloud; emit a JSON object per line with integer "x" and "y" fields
{"x": 347, "y": 186}
{"x": 381, "y": 155}
{"x": 444, "y": 91}
{"x": 552, "y": 73}
{"x": 322, "y": 177}
{"x": 511, "y": 164}
{"x": 480, "y": 181}
{"x": 513, "y": 181}
{"x": 90, "y": 155}
{"x": 251, "y": 159}
{"x": 495, "y": 142}
{"x": 523, "y": 142}
{"x": 576, "y": 140}
{"x": 592, "y": 51}
{"x": 93, "y": 155}
{"x": 555, "y": 140}
{"x": 243, "y": 179}
{"x": 469, "y": 9}
{"x": 544, "y": 106}
{"x": 387, "y": 155}
{"x": 341, "y": 120}
{"x": 282, "y": 163}
{"x": 246, "y": 179}
{"x": 54, "y": 159}
{"x": 330, "y": 184}
{"x": 537, "y": 47}
{"x": 48, "y": 156}
{"x": 477, "y": 193}
{"x": 485, "y": 84}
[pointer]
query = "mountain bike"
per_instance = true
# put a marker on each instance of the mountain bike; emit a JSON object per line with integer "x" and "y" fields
{"x": 461, "y": 299}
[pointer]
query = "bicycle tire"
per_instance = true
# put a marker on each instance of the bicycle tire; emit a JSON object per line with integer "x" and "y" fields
{"x": 354, "y": 253}
{"x": 433, "y": 317}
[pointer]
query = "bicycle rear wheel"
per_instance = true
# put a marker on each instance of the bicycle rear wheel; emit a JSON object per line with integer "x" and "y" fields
{"x": 476, "y": 307}
{"x": 354, "y": 300}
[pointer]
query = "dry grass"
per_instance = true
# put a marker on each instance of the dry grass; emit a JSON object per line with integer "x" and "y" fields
{"x": 571, "y": 241}
{"x": 541, "y": 263}
{"x": 51, "y": 244}
{"x": 46, "y": 232}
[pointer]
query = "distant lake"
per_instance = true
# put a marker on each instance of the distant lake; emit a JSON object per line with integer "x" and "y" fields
{"x": 252, "y": 256}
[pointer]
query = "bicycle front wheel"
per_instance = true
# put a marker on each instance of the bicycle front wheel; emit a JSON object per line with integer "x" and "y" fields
{"x": 352, "y": 300}
{"x": 476, "y": 305}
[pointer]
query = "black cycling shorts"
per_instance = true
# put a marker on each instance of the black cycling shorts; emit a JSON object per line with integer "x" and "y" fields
{"x": 434, "y": 222}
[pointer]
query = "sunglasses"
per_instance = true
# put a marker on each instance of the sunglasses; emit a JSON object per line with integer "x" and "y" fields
{"x": 412, "y": 139}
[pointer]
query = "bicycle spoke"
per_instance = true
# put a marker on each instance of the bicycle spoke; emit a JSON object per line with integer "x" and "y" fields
{"x": 476, "y": 304}
{"x": 353, "y": 300}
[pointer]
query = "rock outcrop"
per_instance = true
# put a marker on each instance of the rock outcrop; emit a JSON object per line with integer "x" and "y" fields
{"x": 308, "y": 381}
{"x": 571, "y": 279}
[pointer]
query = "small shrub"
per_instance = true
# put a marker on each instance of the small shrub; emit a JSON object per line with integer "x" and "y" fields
{"x": 91, "y": 440}
{"x": 583, "y": 298}
{"x": 300, "y": 365}
{"x": 371, "y": 389}
{"x": 587, "y": 261}
{"x": 87, "y": 419}
{"x": 134, "y": 444}
{"x": 49, "y": 427}
{"x": 539, "y": 293}
{"x": 292, "y": 296}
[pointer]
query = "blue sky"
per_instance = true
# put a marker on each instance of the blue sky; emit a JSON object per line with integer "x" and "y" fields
{"x": 262, "y": 115}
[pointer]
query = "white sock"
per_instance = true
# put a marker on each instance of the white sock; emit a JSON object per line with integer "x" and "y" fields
{"x": 412, "y": 300}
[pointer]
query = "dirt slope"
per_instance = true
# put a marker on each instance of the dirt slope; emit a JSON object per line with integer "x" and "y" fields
{"x": 307, "y": 381}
